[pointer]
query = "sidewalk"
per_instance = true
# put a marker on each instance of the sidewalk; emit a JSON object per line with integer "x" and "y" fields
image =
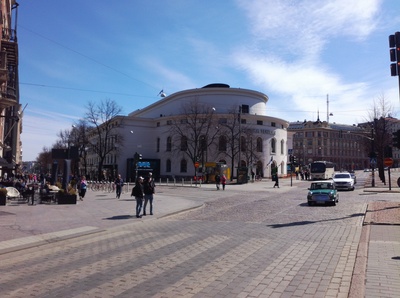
{"x": 377, "y": 268}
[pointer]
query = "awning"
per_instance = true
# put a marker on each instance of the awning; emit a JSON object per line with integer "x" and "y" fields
{"x": 5, "y": 163}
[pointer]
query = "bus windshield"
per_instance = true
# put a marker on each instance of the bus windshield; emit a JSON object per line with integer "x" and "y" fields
{"x": 318, "y": 167}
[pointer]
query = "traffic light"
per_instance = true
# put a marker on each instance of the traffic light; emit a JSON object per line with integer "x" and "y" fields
{"x": 394, "y": 45}
{"x": 396, "y": 139}
{"x": 295, "y": 160}
{"x": 137, "y": 157}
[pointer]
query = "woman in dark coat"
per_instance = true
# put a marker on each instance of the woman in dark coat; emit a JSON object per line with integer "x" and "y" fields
{"x": 138, "y": 193}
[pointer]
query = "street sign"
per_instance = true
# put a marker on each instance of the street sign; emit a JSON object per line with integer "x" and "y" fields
{"x": 388, "y": 162}
{"x": 196, "y": 164}
{"x": 373, "y": 161}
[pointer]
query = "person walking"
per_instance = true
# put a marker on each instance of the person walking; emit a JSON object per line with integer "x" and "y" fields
{"x": 276, "y": 179}
{"x": 149, "y": 189}
{"x": 119, "y": 183}
{"x": 223, "y": 181}
{"x": 217, "y": 180}
{"x": 138, "y": 193}
{"x": 82, "y": 188}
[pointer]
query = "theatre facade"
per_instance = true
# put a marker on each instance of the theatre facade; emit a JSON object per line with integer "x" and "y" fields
{"x": 198, "y": 132}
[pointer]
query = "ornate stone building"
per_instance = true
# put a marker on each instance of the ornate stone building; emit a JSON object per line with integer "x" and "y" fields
{"x": 347, "y": 146}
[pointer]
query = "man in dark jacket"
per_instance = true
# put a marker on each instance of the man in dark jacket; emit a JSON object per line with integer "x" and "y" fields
{"x": 149, "y": 187}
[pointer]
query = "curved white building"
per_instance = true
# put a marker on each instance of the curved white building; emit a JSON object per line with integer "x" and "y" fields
{"x": 182, "y": 133}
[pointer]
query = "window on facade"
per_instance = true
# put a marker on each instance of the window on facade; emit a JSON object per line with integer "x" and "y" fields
{"x": 282, "y": 147}
{"x": 273, "y": 146}
{"x": 168, "y": 166}
{"x": 259, "y": 145}
{"x": 169, "y": 144}
{"x": 158, "y": 124}
{"x": 184, "y": 143}
{"x": 222, "y": 120}
{"x": 222, "y": 144}
{"x": 158, "y": 145}
{"x": 243, "y": 145}
{"x": 273, "y": 124}
{"x": 243, "y": 121}
{"x": 245, "y": 109}
{"x": 259, "y": 122}
{"x": 184, "y": 121}
{"x": 169, "y": 122}
{"x": 309, "y": 134}
{"x": 183, "y": 166}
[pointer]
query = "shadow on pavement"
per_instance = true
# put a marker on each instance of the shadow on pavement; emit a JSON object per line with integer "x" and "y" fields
{"x": 117, "y": 217}
{"x": 306, "y": 222}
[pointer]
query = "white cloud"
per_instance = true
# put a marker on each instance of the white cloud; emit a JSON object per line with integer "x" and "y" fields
{"x": 290, "y": 37}
{"x": 304, "y": 27}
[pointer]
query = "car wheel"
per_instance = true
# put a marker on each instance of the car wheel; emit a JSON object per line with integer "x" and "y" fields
{"x": 310, "y": 203}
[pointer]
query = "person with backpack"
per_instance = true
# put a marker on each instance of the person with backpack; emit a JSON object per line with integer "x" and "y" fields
{"x": 138, "y": 193}
{"x": 149, "y": 187}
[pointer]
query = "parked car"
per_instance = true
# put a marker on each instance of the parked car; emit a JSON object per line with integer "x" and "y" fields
{"x": 343, "y": 180}
{"x": 322, "y": 192}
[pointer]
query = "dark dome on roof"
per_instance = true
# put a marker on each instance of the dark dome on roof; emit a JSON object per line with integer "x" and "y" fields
{"x": 217, "y": 85}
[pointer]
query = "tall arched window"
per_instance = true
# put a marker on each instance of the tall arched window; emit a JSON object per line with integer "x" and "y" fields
{"x": 168, "y": 166}
{"x": 169, "y": 144}
{"x": 243, "y": 145}
{"x": 184, "y": 143}
{"x": 222, "y": 144}
{"x": 273, "y": 146}
{"x": 282, "y": 146}
{"x": 259, "y": 145}
{"x": 183, "y": 166}
{"x": 158, "y": 145}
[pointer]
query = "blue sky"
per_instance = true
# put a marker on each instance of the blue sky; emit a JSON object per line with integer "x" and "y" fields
{"x": 295, "y": 51}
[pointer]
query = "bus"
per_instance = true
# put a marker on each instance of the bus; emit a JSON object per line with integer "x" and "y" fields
{"x": 322, "y": 170}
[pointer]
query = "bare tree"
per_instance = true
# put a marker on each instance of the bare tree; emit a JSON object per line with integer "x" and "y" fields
{"x": 79, "y": 138}
{"x": 194, "y": 131}
{"x": 44, "y": 159}
{"x": 240, "y": 138}
{"x": 381, "y": 132}
{"x": 103, "y": 122}
{"x": 64, "y": 139}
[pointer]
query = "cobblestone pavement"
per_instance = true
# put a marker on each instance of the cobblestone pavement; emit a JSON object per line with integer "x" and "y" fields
{"x": 266, "y": 244}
